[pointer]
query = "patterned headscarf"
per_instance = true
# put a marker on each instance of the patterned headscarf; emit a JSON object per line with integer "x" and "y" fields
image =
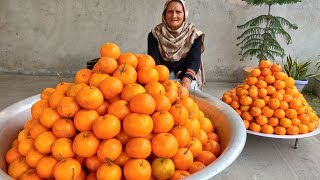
{"x": 175, "y": 44}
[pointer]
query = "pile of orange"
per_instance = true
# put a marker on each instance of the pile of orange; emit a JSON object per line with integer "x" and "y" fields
{"x": 124, "y": 119}
{"x": 269, "y": 102}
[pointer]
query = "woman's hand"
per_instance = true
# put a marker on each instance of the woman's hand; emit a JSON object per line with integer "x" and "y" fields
{"x": 186, "y": 82}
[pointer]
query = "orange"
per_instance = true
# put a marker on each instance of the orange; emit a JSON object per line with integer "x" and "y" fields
{"x": 147, "y": 75}
{"x": 246, "y": 124}
{"x": 291, "y": 113}
{"x": 89, "y": 97}
{"x": 46, "y": 93}
{"x": 164, "y": 145}
{"x": 49, "y": 116}
{"x": 212, "y": 146}
{"x": 68, "y": 107}
{"x": 137, "y": 125}
{"x": 12, "y": 154}
{"x": 255, "y": 111}
{"x": 206, "y": 125}
{"x": 75, "y": 88}
{"x": 206, "y": 157}
{"x": 145, "y": 60}
{"x": 110, "y": 50}
{"x": 44, "y": 141}
{"x": 293, "y": 130}
{"x": 30, "y": 174}
{"x": 85, "y": 144}
{"x": 202, "y": 136}
{"x": 162, "y": 168}
{"x": 179, "y": 113}
{"x": 130, "y": 90}
{"x": 266, "y": 72}
{"x": 262, "y": 92}
{"x": 137, "y": 169}
{"x": 64, "y": 128}
{"x": 126, "y": 73}
{"x": 18, "y": 167}
{"x": 143, "y": 104}
{"x": 279, "y": 130}
{"x": 255, "y": 127}
{"x": 245, "y": 100}
{"x": 92, "y": 163}
{"x": 45, "y": 167}
{"x": 255, "y": 72}
{"x": 303, "y": 129}
{"x": 128, "y": 58}
{"x": 62, "y": 148}
{"x": 106, "y": 65}
{"x": 163, "y": 72}
{"x": 110, "y": 87}
{"x": 246, "y": 116}
{"x": 25, "y": 146}
{"x": 264, "y": 64}
{"x": 162, "y": 121}
{"x": 274, "y": 103}
{"x": 279, "y": 84}
{"x": 196, "y": 166}
{"x": 195, "y": 146}
{"x": 163, "y": 103}
{"x": 267, "y": 111}
{"x": 82, "y": 76}
{"x": 109, "y": 150}
{"x": 122, "y": 159}
{"x": 97, "y": 78}
{"x": 106, "y": 127}
{"x": 267, "y": 129}
{"x": 285, "y": 122}
{"x": 67, "y": 168}
{"x": 275, "y": 67}
{"x": 38, "y": 107}
{"x": 84, "y": 119}
{"x": 178, "y": 174}
{"x": 279, "y": 113}
{"x": 260, "y": 103}
{"x": 139, "y": 148}
{"x": 181, "y": 134}
{"x": 109, "y": 170}
{"x": 183, "y": 159}
{"x": 273, "y": 121}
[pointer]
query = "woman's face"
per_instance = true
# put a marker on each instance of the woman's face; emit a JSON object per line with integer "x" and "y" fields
{"x": 174, "y": 15}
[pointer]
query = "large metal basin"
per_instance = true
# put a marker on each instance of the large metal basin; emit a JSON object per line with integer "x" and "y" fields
{"x": 227, "y": 123}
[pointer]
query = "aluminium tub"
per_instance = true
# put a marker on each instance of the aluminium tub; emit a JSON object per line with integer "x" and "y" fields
{"x": 228, "y": 125}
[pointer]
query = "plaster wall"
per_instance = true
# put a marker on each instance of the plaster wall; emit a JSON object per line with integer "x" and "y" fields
{"x": 49, "y": 36}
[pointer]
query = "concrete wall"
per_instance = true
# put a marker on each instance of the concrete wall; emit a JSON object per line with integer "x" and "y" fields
{"x": 49, "y": 36}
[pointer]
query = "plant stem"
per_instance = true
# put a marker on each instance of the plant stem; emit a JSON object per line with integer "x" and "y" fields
{"x": 265, "y": 32}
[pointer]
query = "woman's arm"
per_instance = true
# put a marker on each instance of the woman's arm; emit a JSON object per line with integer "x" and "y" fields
{"x": 194, "y": 59}
{"x": 153, "y": 49}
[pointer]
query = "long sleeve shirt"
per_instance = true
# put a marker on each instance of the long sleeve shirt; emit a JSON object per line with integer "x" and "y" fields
{"x": 187, "y": 66}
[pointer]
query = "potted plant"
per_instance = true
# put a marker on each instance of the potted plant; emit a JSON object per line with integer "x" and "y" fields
{"x": 299, "y": 71}
{"x": 317, "y": 80}
{"x": 260, "y": 36}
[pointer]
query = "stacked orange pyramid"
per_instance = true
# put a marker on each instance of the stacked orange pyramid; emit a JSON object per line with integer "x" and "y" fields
{"x": 124, "y": 119}
{"x": 268, "y": 102}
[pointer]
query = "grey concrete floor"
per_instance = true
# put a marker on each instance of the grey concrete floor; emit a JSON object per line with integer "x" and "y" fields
{"x": 262, "y": 158}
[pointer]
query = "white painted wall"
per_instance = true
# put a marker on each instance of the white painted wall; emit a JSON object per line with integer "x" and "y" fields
{"x": 49, "y": 36}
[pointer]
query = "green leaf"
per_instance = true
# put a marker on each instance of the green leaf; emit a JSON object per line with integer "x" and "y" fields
{"x": 254, "y": 22}
{"x": 253, "y": 30}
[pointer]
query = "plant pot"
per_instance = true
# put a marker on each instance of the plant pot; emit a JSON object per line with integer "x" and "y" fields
{"x": 317, "y": 86}
{"x": 300, "y": 84}
{"x": 246, "y": 71}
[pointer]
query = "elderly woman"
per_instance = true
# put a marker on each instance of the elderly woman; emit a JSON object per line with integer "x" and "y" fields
{"x": 178, "y": 45}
